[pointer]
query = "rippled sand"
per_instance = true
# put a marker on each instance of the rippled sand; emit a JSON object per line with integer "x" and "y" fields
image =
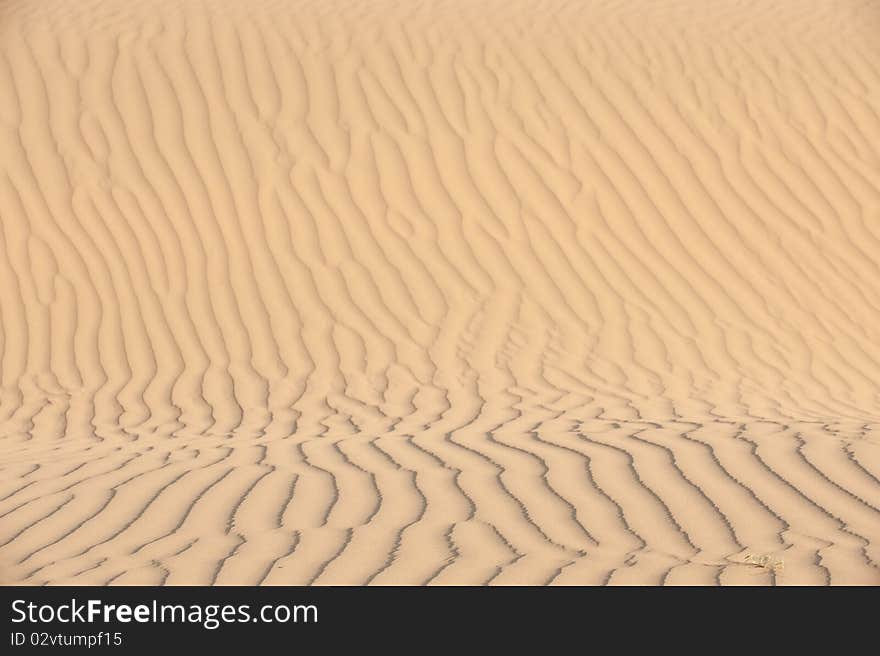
{"x": 354, "y": 291}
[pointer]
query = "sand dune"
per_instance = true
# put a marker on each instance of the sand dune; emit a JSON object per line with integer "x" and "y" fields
{"x": 362, "y": 291}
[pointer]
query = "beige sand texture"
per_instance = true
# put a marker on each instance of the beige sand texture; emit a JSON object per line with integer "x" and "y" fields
{"x": 450, "y": 291}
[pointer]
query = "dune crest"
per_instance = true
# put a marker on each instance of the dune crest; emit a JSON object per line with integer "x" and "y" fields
{"x": 358, "y": 292}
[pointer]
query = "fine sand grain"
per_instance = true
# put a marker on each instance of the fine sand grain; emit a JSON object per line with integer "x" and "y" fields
{"x": 451, "y": 291}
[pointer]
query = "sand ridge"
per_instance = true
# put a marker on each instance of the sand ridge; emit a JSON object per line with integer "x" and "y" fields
{"x": 358, "y": 292}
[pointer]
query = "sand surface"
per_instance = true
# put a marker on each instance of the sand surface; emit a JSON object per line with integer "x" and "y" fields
{"x": 488, "y": 291}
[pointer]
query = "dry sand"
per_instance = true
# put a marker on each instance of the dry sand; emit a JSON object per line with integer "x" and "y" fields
{"x": 487, "y": 291}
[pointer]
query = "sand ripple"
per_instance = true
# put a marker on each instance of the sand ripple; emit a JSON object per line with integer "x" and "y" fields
{"x": 384, "y": 292}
